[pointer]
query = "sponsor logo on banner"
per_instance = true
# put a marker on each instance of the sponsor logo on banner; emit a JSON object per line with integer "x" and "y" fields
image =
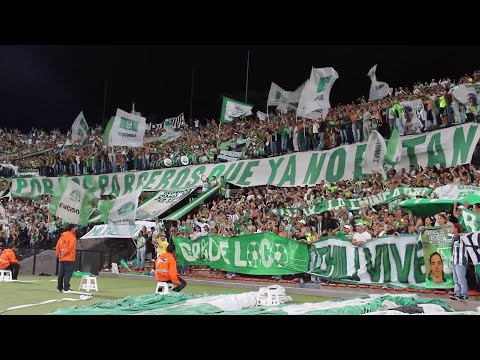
{"x": 128, "y": 124}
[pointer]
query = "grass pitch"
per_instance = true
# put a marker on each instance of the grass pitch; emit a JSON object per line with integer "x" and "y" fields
{"x": 43, "y": 288}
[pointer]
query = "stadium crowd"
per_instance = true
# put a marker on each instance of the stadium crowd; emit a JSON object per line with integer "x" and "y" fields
{"x": 235, "y": 212}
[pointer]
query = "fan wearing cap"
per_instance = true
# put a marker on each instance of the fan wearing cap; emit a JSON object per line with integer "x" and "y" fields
{"x": 346, "y": 232}
{"x": 361, "y": 236}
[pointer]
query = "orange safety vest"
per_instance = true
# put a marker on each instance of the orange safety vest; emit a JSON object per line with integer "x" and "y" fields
{"x": 8, "y": 256}
{"x": 166, "y": 268}
{"x": 66, "y": 244}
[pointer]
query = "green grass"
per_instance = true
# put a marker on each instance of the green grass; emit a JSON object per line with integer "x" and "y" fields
{"x": 16, "y": 293}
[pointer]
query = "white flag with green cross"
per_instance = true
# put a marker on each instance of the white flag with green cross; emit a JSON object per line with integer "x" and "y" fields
{"x": 232, "y": 109}
{"x": 72, "y": 203}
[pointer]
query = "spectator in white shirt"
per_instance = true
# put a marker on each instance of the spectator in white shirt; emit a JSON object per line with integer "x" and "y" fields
{"x": 361, "y": 236}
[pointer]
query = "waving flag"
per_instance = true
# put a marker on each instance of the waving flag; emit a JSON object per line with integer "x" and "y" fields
{"x": 378, "y": 89}
{"x": 125, "y": 129}
{"x": 72, "y": 202}
{"x": 120, "y": 213}
{"x": 232, "y": 109}
{"x": 80, "y": 128}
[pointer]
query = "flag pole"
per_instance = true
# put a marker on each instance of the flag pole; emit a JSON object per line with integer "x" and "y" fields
{"x": 104, "y": 99}
{"x": 246, "y": 82}
{"x": 191, "y": 92}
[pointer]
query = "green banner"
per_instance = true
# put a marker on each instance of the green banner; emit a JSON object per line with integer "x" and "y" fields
{"x": 379, "y": 199}
{"x": 387, "y": 260}
{"x": 256, "y": 254}
{"x": 430, "y": 207}
{"x": 437, "y": 250}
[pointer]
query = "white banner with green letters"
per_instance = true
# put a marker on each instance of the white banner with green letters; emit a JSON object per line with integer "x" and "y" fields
{"x": 447, "y": 147}
{"x": 387, "y": 260}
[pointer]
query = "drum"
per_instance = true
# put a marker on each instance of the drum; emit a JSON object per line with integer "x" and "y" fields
{"x": 184, "y": 160}
{"x": 167, "y": 162}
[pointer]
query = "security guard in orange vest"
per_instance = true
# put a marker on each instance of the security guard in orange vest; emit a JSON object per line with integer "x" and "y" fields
{"x": 65, "y": 250}
{"x": 8, "y": 261}
{"x": 166, "y": 269}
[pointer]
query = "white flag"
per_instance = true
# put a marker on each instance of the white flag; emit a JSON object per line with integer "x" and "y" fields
{"x": 322, "y": 80}
{"x": 285, "y": 108}
{"x": 278, "y": 96}
{"x": 307, "y": 106}
{"x": 232, "y": 109}
{"x": 72, "y": 202}
{"x": 295, "y": 95}
{"x": 378, "y": 89}
{"x": 412, "y": 114}
{"x": 120, "y": 213}
{"x": 3, "y": 215}
{"x": 262, "y": 116}
{"x": 374, "y": 154}
{"x": 125, "y": 129}
{"x": 80, "y": 128}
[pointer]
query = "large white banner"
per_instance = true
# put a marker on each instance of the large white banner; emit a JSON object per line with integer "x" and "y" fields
{"x": 374, "y": 156}
{"x": 447, "y": 147}
{"x": 395, "y": 260}
{"x": 105, "y": 231}
{"x": 161, "y": 202}
{"x": 378, "y": 89}
{"x": 412, "y": 112}
{"x": 125, "y": 129}
{"x": 80, "y": 128}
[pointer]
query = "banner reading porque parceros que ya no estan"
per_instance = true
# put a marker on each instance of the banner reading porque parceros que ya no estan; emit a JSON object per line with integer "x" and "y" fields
{"x": 448, "y": 147}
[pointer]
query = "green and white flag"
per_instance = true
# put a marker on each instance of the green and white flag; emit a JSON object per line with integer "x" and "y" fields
{"x": 125, "y": 129}
{"x": 311, "y": 105}
{"x": 160, "y": 202}
{"x": 72, "y": 203}
{"x": 378, "y": 89}
{"x": 192, "y": 204}
{"x": 374, "y": 154}
{"x": 278, "y": 96}
{"x": 79, "y": 128}
{"x": 120, "y": 213}
{"x": 394, "y": 151}
{"x": 471, "y": 220}
{"x": 232, "y": 109}
{"x": 323, "y": 80}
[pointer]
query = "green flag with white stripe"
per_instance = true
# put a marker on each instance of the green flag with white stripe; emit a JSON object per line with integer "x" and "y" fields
{"x": 192, "y": 205}
{"x": 72, "y": 202}
{"x": 232, "y": 109}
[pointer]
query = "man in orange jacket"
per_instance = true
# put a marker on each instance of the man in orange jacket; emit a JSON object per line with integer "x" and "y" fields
{"x": 65, "y": 251}
{"x": 8, "y": 261}
{"x": 166, "y": 269}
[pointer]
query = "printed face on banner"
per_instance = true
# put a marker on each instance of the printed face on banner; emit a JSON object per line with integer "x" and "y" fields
{"x": 413, "y": 114}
